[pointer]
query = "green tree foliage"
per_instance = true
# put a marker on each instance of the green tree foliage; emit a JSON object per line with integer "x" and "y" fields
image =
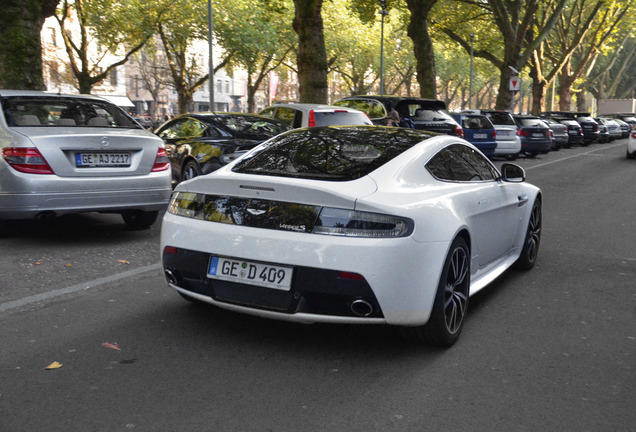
{"x": 103, "y": 27}
{"x": 584, "y": 29}
{"x": 517, "y": 36}
{"x": 21, "y": 54}
{"x": 260, "y": 37}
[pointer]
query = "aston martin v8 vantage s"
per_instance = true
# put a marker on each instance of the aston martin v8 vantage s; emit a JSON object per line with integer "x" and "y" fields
{"x": 352, "y": 224}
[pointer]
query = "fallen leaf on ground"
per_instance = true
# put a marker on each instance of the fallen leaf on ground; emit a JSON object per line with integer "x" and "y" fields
{"x": 54, "y": 365}
{"x": 111, "y": 345}
{"x": 123, "y": 261}
{"x": 68, "y": 264}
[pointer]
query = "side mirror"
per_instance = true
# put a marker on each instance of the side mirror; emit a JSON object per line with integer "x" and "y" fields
{"x": 512, "y": 173}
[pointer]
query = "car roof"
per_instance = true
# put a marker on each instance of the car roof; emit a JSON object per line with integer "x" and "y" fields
{"x": 311, "y": 106}
{"x": 12, "y": 93}
{"x": 396, "y": 99}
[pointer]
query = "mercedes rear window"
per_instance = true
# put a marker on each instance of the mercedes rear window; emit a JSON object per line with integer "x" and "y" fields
{"x": 34, "y": 111}
{"x": 338, "y": 154}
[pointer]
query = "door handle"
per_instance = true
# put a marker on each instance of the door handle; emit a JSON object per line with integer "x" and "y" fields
{"x": 523, "y": 199}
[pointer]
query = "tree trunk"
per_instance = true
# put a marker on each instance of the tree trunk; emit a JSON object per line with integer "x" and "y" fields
{"x": 21, "y": 54}
{"x": 312, "y": 55}
{"x": 423, "y": 46}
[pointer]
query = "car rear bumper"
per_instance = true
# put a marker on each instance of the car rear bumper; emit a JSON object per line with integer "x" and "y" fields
{"x": 25, "y": 196}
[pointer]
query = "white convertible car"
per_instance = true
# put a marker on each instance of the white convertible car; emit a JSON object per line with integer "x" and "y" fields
{"x": 352, "y": 224}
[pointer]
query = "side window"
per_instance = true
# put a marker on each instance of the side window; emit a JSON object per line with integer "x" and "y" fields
{"x": 286, "y": 115}
{"x": 268, "y": 112}
{"x": 461, "y": 163}
{"x": 438, "y": 166}
{"x": 171, "y": 131}
{"x": 190, "y": 128}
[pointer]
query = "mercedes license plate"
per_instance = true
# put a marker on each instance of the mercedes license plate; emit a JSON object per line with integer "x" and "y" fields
{"x": 250, "y": 272}
{"x": 97, "y": 160}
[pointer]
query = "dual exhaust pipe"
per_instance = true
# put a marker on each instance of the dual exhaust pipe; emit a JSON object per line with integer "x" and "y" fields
{"x": 359, "y": 307}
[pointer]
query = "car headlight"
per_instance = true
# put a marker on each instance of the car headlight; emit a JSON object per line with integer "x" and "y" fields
{"x": 289, "y": 216}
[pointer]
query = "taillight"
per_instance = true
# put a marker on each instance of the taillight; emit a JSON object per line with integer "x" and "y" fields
{"x": 522, "y": 132}
{"x": 634, "y": 135}
{"x": 494, "y": 134}
{"x": 459, "y": 131}
{"x": 162, "y": 162}
{"x": 311, "y": 122}
{"x": 26, "y": 160}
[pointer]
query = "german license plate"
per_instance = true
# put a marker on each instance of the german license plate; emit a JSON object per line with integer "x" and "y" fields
{"x": 250, "y": 272}
{"x": 96, "y": 160}
{"x": 480, "y": 136}
{"x": 538, "y": 135}
{"x": 503, "y": 133}
{"x": 573, "y": 132}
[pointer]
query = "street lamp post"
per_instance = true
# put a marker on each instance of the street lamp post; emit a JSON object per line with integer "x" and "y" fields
{"x": 211, "y": 59}
{"x": 470, "y": 87}
{"x": 383, "y": 13}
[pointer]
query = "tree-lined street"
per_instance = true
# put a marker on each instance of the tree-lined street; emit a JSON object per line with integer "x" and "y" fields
{"x": 550, "y": 350}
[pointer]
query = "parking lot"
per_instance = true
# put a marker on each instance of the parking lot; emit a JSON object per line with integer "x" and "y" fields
{"x": 550, "y": 350}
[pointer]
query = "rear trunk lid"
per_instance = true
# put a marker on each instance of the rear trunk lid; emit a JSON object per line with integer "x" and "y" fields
{"x": 88, "y": 152}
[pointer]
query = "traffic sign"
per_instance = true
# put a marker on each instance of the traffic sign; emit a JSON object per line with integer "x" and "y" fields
{"x": 515, "y": 83}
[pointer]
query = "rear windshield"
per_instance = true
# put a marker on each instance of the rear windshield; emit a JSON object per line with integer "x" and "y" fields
{"x": 48, "y": 111}
{"x": 585, "y": 119}
{"x": 532, "y": 122}
{"x": 476, "y": 122}
{"x": 338, "y": 118}
{"x": 338, "y": 154}
{"x": 501, "y": 118}
{"x": 249, "y": 126}
{"x": 423, "y": 114}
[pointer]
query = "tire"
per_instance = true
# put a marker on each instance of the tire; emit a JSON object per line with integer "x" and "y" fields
{"x": 530, "y": 249}
{"x": 190, "y": 170}
{"x": 512, "y": 157}
{"x": 138, "y": 219}
{"x": 451, "y": 301}
{"x": 531, "y": 155}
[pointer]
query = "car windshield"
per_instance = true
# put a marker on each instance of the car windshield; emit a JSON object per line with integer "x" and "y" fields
{"x": 64, "y": 111}
{"x": 249, "y": 126}
{"x": 334, "y": 154}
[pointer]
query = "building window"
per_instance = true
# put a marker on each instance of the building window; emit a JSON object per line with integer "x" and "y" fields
{"x": 227, "y": 87}
{"x": 219, "y": 86}
{"x": 113, "y": 77}
{"x": 53, "y": 36}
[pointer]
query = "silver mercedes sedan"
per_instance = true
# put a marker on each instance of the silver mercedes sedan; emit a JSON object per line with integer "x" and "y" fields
{"x": 62, "y": 154}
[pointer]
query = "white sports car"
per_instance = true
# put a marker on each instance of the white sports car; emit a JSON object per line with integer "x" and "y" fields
{"x": 355, "y": 224}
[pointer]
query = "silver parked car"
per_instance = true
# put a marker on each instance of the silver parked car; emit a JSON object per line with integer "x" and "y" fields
{"x": 62, "y": 154}
{"x": 298, "y": 115}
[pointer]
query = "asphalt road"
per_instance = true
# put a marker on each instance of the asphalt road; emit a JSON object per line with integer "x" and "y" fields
{"x": 552, "y": 349}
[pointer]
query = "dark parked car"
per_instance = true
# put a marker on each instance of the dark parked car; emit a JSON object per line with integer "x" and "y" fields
{"x": 560, "y": 137}
{"x": 479, "y": 131}
{"x": 535, "y": 135}
{"x": 590, "y": 126}
{"x": 425, "y": 114}
{"x": 201, "y": 143}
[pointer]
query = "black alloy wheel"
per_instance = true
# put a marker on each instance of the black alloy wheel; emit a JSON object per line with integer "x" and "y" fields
{"x": 530, "y": 249}
{"x": 190, "y": 170}
{"x": 451, "y": 300}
